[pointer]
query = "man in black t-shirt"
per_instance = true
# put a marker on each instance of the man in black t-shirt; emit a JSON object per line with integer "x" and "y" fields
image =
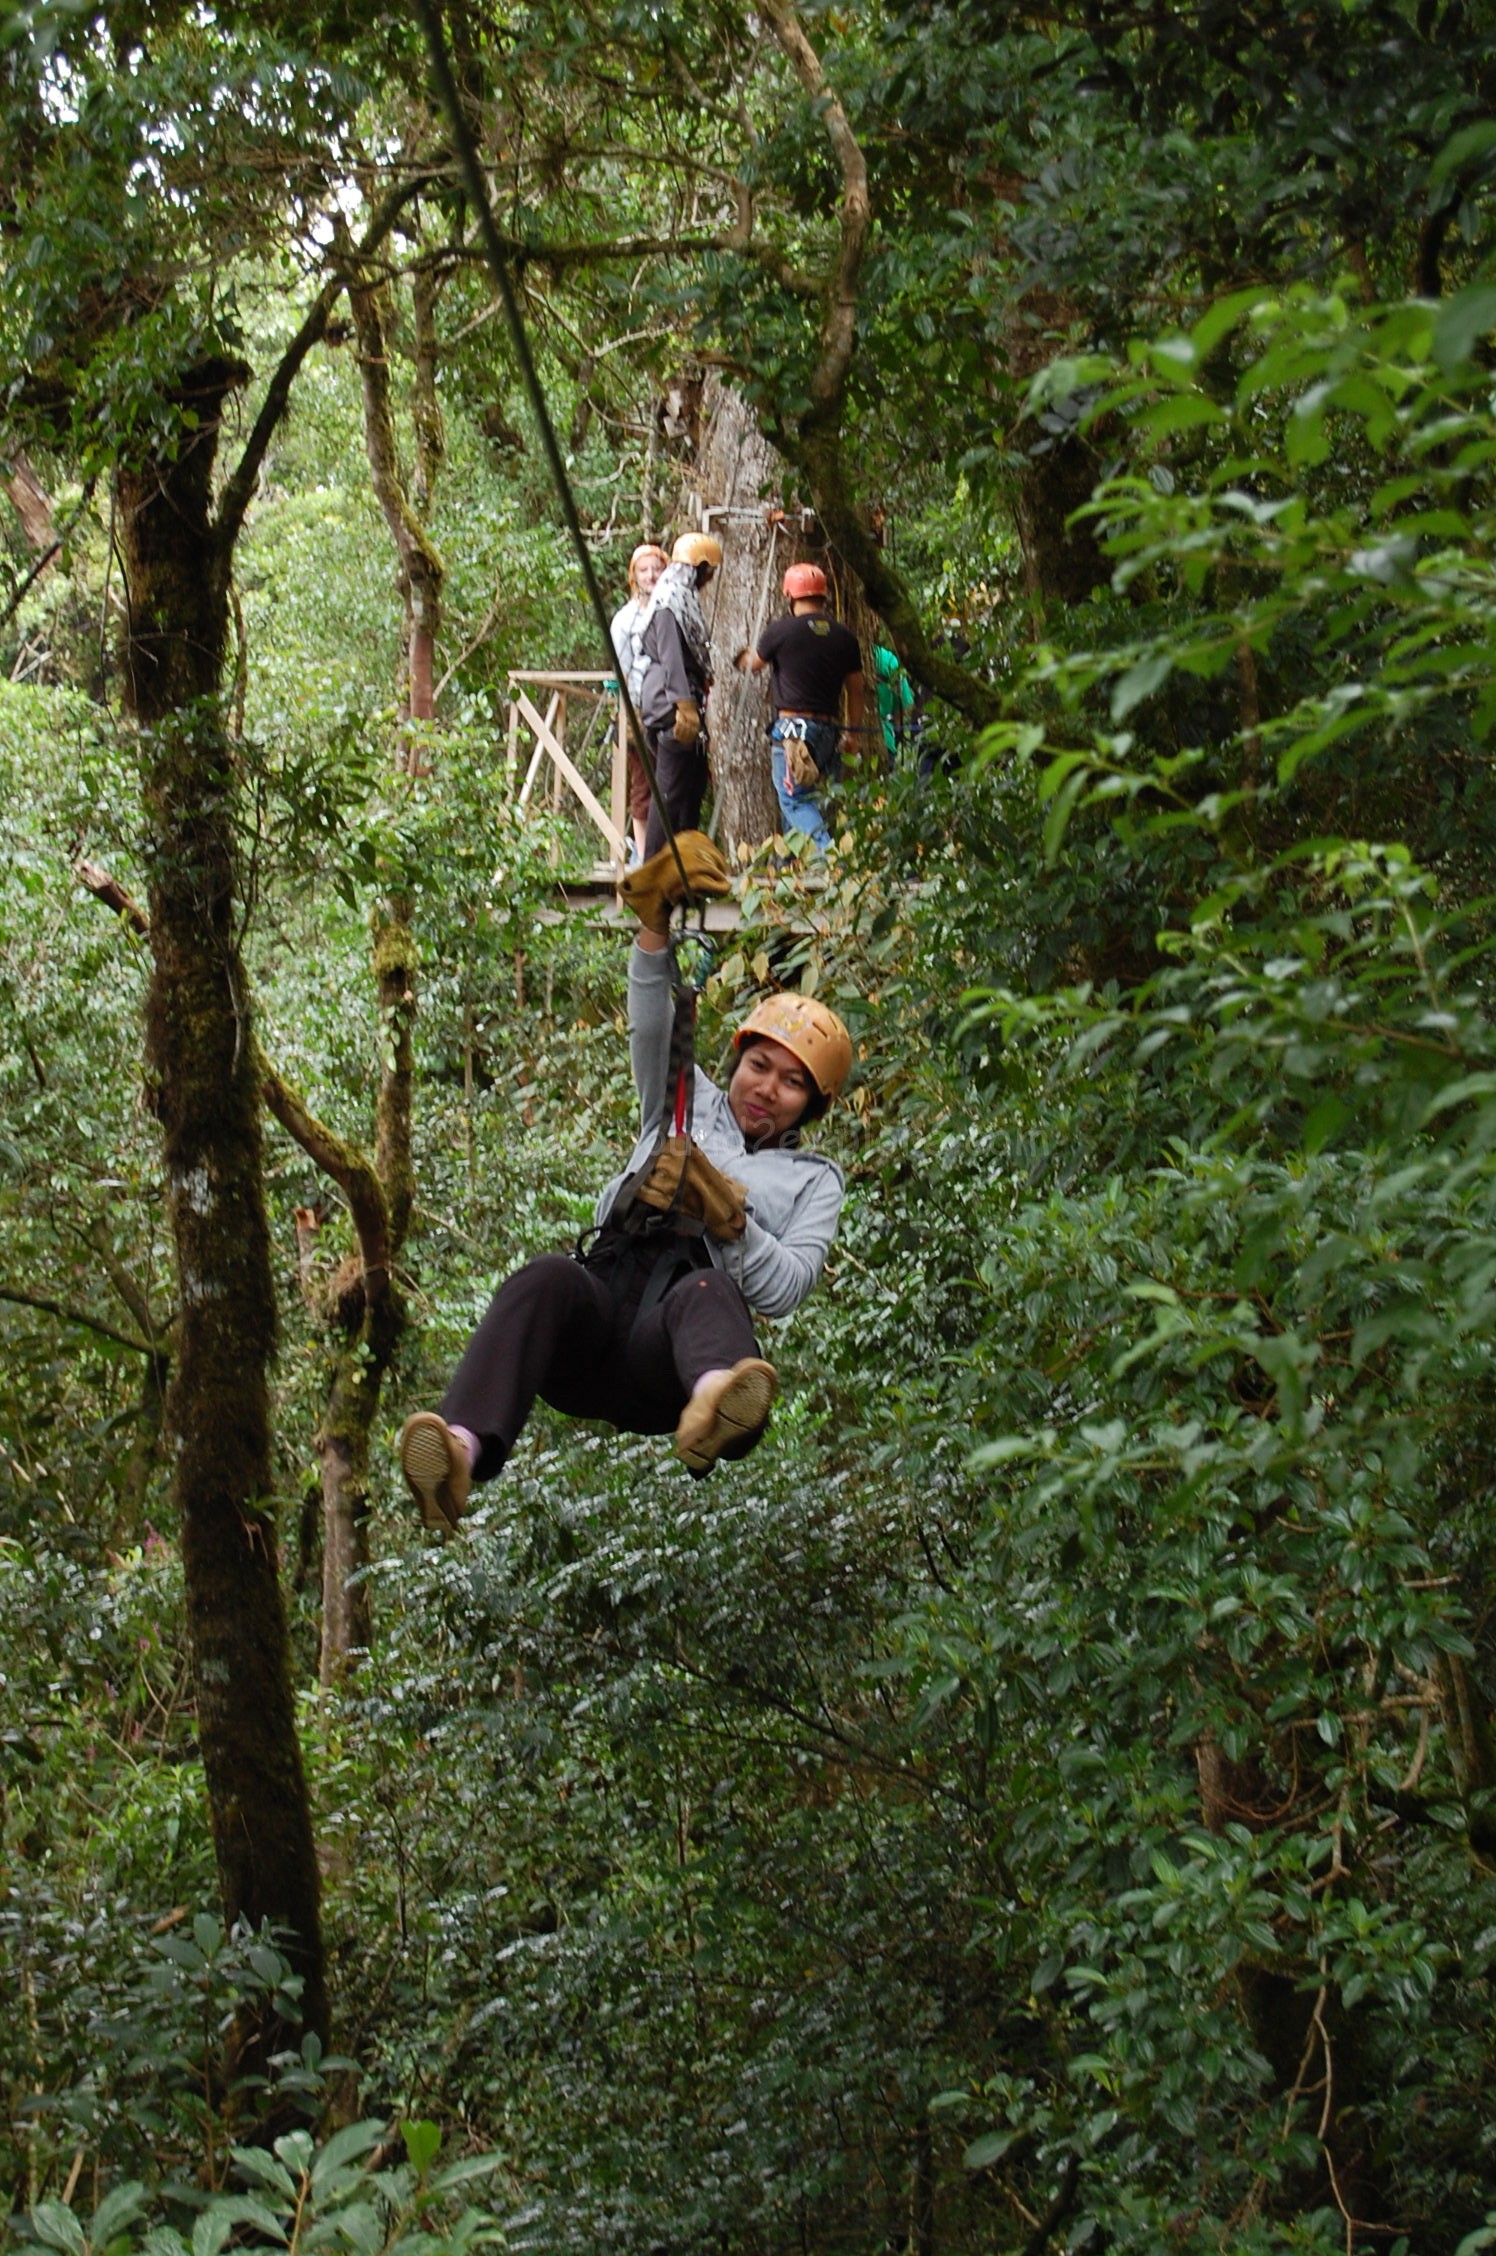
{"x": 814, "y": 663}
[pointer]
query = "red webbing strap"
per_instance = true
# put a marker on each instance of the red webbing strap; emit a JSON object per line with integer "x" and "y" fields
{"x": 680, "y": 1077}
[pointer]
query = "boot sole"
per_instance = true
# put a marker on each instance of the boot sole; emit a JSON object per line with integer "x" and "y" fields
{"x": 426, "y": 1461}
{"x": 741, "y": 1409}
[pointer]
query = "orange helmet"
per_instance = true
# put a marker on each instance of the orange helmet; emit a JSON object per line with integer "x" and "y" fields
{"x": 645, "y": 550}
{"x": 809, "y": 1031}
{"x": 697, "y": 548}
{"x": 803, "y": 580}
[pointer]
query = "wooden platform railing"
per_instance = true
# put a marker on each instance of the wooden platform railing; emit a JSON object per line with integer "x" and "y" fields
{"x": 541, "y": 716}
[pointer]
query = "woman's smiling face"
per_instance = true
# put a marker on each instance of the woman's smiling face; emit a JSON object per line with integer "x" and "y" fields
{"x": 769, "y": 1090}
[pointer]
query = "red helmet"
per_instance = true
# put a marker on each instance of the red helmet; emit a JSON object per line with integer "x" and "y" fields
{"x": 804, "y": 579}
{"x": 809, "y": 1031}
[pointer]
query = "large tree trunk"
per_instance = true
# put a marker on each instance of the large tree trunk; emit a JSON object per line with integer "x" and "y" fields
{"x": 738, "y": 488}
{"x": 202, "y": 1067}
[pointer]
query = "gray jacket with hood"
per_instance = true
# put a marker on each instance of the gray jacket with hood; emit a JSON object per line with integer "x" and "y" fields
{"x": 794, "y": 1196}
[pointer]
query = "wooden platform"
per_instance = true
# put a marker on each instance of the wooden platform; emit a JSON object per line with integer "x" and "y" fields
{"x": 597, "y": 892}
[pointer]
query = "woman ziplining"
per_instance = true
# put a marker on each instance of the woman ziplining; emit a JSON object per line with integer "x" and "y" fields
{"x": 652, "y": 1327}
{"x": 721, "y": 1214}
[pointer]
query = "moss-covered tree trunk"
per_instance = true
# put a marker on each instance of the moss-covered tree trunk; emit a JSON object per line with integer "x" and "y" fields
{"x": 204, "y": 1089}
{"x": 737, "y": 475}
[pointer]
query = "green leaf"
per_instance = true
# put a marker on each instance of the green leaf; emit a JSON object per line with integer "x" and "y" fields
{"x": 268, "y": 2168}
{"x": 54, "y": 2223}
{"x": 1306, "y": 439}
{"x": 1463, "y": 322}
{"x": 350, "y": 2144}
{"x": 1224, "y": 316}
{"x": 422, "y": 2144}
{"x": 210, "y": 2232}
{"x": 1139, "y": 682}
{"x": 1324, "y": 1124}
{"x": 1470, "y": 143}
{"x": 471, "y": 2166}
{"x": 1187, "y": 411}
{"x": 117, "y": 2209}
{"x": 1061, "y": 808}
{"x": 989, "y": 2148}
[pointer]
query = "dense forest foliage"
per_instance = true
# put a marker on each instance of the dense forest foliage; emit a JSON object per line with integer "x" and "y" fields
{"x": 1045, "y": 1798}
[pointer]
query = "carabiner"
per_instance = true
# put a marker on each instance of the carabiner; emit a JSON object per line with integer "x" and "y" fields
{"x": 703, "y": 955}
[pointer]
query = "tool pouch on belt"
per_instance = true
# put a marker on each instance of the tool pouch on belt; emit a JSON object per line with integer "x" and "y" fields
{"x": 799, "y": 764}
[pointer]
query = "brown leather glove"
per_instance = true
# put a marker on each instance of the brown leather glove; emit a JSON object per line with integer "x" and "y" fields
{"x": 654, "y": 888}
{"x": 706, "y": 1194}
{"x": 687, "y": 721}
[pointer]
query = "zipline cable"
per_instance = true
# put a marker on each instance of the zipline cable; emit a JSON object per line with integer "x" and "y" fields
{"x": 493, "y": 249}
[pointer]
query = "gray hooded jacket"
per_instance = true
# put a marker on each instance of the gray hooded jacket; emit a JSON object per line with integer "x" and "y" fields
{"x": 794, "y": 1196}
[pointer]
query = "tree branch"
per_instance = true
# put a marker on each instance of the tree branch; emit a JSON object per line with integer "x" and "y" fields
{"x": 20, "y": 1299}
{"x": 347, "y": 1167}
{"x": 838, "y": 329}
{"x": 584, "y": 250}
{"x": 813, "y": 441}
{"x": 239, "y": 490}
{"x": 46, "y": 556}
{"x": 128, "y": 1289}
{"x": 109, "y": 890}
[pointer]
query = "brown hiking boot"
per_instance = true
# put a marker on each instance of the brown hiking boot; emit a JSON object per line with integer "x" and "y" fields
{"x": 436, "y": 1467}
{"x": 725, "y": 1417}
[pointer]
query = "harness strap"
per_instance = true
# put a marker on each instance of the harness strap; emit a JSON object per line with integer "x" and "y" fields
{"x": 676, "y": 1117}
{"x": 680, "y": 1077}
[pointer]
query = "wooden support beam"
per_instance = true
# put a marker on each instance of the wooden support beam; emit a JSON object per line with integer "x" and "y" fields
{"x": 548, "y": 741}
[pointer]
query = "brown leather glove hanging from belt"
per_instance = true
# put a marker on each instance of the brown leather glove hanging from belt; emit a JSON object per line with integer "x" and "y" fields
{"x": 803, "y": 772}
{"x": 684, "y": 1180}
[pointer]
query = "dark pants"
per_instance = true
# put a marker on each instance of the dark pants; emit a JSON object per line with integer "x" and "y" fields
{"x": 681, "y": 773}
{"x": 561, "y": 1331}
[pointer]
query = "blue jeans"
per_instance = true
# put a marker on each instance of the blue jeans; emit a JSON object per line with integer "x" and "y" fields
{"x": 801, "y": 810}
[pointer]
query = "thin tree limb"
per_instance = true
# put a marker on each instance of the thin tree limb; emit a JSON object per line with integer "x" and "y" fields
{"x": 239, "y": 490}
{"x": 127, "y": 1287}
{"x": 21, "y": 1299}
{"x": 53, "y": 549}
{"x": 839, "y": 328}
{"x": 347, "y": 1167}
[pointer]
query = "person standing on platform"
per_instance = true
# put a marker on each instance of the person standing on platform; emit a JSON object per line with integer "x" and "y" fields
{"x": 645, "y": 566}
{"x": 895, "y": 695}
{"x": 677, "y": 677}
{"x": 815, "y": 665}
